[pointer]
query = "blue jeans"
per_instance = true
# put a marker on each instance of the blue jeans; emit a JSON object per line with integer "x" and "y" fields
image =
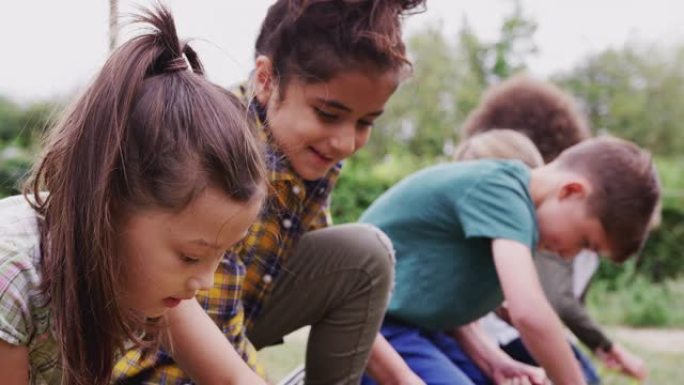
{"x": 434, "y": 356}
{"x": 519, "y": 352}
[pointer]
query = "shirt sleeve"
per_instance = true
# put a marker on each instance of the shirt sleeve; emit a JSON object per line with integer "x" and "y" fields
{"x": 15, "y": 285}
{"x": 498, "y": 206}
{"x": 555, "y": 276}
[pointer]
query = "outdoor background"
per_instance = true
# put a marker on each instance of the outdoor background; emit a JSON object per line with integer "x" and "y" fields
{"x": 623, "y": 61}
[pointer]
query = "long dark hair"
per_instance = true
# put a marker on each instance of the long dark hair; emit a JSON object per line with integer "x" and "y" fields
{"x": 149, "y": 132}
{"x": 316, "y": 39}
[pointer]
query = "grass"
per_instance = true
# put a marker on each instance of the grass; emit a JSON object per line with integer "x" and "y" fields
{"x": 638, "y": 303}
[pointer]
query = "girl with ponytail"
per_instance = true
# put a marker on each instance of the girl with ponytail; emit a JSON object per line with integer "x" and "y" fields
{"x": 147, "y": 178}
{"x": 324, "y": 70}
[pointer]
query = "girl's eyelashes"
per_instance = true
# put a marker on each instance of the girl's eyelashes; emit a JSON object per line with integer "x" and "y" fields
{"x": 328, "y": 117}
{"x": 365, "y": 123}
{"x": 188, "y": 259}
{"x": 325, "y": 115}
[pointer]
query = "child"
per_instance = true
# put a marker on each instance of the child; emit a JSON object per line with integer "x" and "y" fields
{"x": 551, "y": 118}
{"x": 464, "y": 234}
{"x": 323, "y": 73}
{"x": 509, "y": 144}
{"x": 540, "y": 110}
{"x": 499, "y": 144}
{"x": 147, "y": 177}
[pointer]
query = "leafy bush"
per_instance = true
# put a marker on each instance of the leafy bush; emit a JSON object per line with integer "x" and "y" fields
{"x": 633, "y": 300}
{"x": 363, "y": 180}
{"x": 12, "y": 172}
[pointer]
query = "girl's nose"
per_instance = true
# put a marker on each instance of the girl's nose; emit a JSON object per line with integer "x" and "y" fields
{"x": 344, "y": 141}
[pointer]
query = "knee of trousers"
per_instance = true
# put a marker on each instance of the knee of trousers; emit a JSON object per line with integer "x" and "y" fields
{"x": 376, "y": 256}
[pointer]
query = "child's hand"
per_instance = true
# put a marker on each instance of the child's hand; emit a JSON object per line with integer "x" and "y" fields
{"x": 511, "y": 372}
{"x": 619, "y": 358}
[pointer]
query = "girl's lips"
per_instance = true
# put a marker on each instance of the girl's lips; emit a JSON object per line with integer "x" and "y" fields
{"x": 171, "y": 302}
{"x": 320, "y": 156}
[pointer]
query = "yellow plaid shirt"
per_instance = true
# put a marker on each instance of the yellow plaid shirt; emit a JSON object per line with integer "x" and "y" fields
{"x": 249, "y": 270}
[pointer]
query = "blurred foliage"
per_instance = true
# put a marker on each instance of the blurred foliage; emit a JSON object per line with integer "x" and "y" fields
{"x": 362, "y": 181}
{"x": 24, "y": 126}
{"x": 21, "y": 129}
{"x": 12, "y": 172}
{"x": 635, "y": 92}
{"x": 634, "y": 300}
{"x": 449, "y": 76}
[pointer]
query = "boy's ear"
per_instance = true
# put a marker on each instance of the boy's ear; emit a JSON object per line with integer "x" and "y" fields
{"x": 263, "y": 79}
{"x": 574, "y": 189}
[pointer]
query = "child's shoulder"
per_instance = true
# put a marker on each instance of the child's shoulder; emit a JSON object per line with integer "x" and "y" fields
{"x": 19, "y": 270}
{"x": 494, "y": 187}
{"x": 19, "y": 232}
{"x": 472, "y": 171}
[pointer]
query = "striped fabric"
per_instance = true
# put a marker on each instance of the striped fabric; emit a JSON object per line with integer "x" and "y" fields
{"x": 249, "y": 270}
{"x": 24, "y": 318}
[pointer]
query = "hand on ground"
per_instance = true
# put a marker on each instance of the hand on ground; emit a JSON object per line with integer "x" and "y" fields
{"x": 621, "y": 359}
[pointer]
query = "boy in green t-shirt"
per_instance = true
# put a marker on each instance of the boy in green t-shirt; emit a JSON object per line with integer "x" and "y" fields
{"x": 464, "y": 234}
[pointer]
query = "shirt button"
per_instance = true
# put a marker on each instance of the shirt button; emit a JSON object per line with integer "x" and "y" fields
{"x": 321, "y": 190}
{"x": 296, "y": 189}
{"x": 267, "y": 278}
{"x": 287, "y": 223}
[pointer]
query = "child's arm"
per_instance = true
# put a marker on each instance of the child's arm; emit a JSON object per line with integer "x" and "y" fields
{"x": 202, "y": 351}
{"x": 14, "y": 364}
{"x": 530, "y": 312}
{"x": 493, "y": 361}
{"x": 387, "y": 367}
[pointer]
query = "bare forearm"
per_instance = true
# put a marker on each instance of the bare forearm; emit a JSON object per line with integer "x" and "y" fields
{"x": 387, "y": 367}
{"x": 14, "y": 364}
{"x": 531, "y": 313}
{"x": 202, "y": 351}
{"x": 543, "y": 336}
{"x": 477, "y": 345}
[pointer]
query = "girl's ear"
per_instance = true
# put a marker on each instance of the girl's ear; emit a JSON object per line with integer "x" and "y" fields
{"x": 263, "y": 79}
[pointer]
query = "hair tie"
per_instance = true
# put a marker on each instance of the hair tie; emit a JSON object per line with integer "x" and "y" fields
{"x": 179, "y": 63}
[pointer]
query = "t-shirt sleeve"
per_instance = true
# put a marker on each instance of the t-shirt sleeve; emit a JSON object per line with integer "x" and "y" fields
{"x": 15, "y": 285}
{"x": 498, "y": 206}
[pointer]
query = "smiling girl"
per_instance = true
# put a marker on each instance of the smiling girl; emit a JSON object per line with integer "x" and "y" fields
{"x": 323, "y": 73}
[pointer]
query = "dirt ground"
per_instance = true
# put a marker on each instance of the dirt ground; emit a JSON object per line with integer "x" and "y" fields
{"x": 654, "y": 340}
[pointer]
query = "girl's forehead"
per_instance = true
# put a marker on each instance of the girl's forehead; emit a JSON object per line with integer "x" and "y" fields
{"x": 354, "y": 90}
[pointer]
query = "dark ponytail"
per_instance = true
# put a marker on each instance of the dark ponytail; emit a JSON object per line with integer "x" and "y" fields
{"x": 147, "y": 133}
{"x": 316, "y": 39}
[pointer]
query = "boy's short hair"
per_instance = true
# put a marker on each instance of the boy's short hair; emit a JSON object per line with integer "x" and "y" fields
{"x": 625, "y": 189}
{"x": 500, "y": 144}
{"x": 545, "y": 113}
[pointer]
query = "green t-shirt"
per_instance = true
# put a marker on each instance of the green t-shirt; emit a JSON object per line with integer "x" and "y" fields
{"x": 441, "y": 221}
